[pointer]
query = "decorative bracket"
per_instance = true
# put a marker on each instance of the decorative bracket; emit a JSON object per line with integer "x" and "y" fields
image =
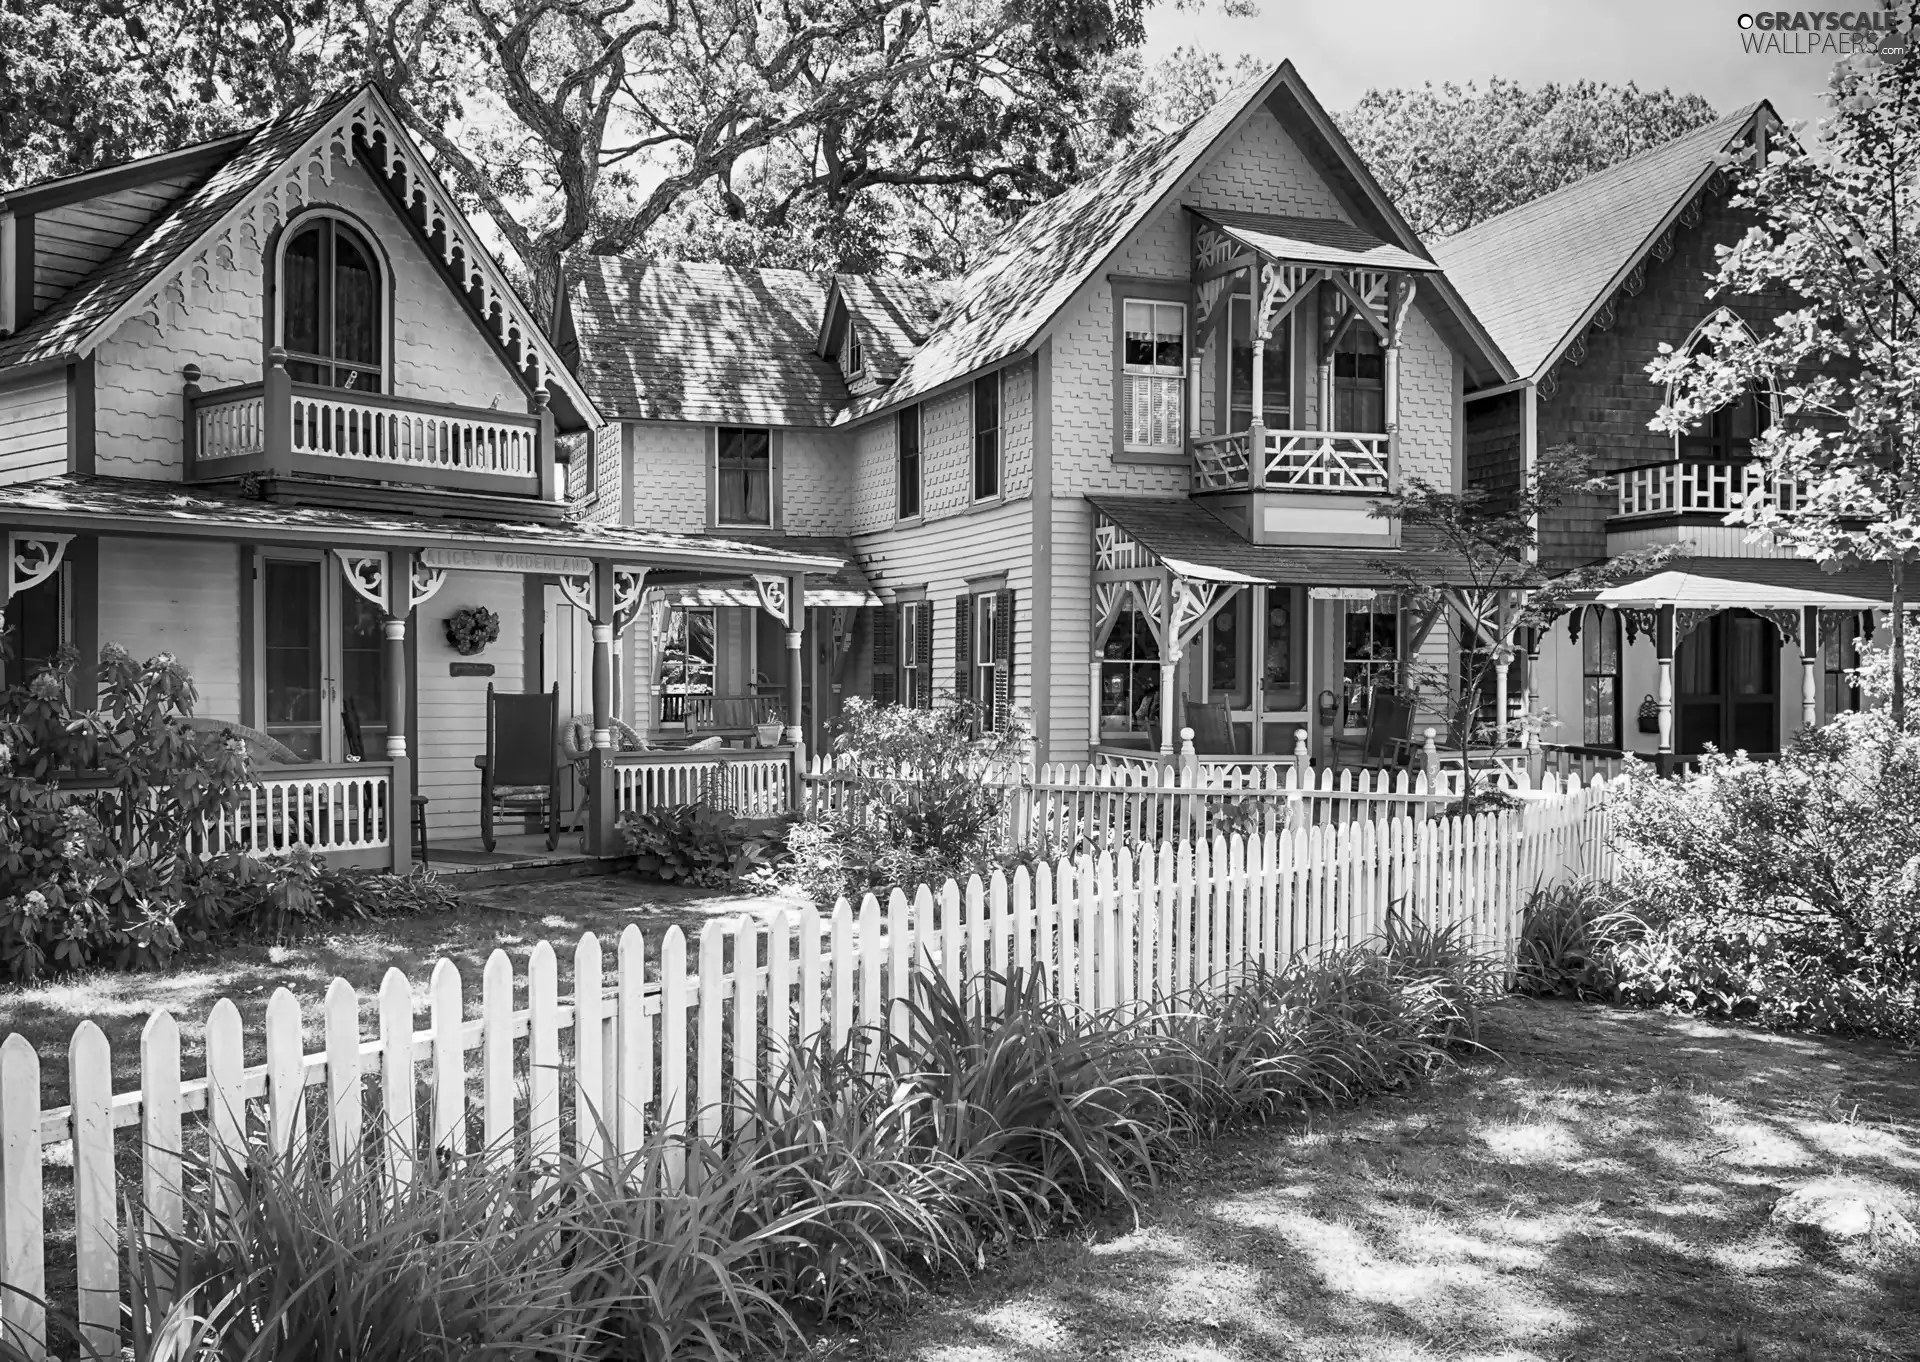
{"x": 367, "y": 574}
{"x": 426, "y": 584}
{"x": 1194, "y": 603}
{"x": 579, "y": 590}
{"x": 31, "y": 559}
{"x": 1399, "y": 303}
{"x": 774, "y": 597}
{"x": 627, "y": 586}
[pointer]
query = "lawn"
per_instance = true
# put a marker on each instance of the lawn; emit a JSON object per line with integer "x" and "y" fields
{"x": 513, "y": 918}
{"x": 1600, "y": 1191}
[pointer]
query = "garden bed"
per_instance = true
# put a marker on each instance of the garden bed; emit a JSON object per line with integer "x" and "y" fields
{"x": 1601, "y": 1191}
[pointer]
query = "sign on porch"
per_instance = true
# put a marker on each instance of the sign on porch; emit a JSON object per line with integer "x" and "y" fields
{"x": 1342, "y": 593}
{"x": 501, "y": 560}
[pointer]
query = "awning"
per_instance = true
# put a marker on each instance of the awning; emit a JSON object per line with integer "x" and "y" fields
{"x": 1191, "y": 543}
{"x": 844, "y": 587}
{"x": 1696, "y": 587}
{"x": 1313, "y": 241}
{"x": 132, "y": 506}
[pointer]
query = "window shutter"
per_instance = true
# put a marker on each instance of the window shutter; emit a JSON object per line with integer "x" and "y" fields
{"x": 886, "y": 654}
{"x": 1002, "y": 660}
{"x": 886, "y": 687}
{"x": 924, "y": 652}
{"x": 963, "y": 647}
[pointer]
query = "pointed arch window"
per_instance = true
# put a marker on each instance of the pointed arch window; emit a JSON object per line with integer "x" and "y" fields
{"x": 332, "y": 321}
{"x": 1725, "y": 435}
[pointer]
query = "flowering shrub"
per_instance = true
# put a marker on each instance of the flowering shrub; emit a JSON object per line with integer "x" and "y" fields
{"x": 921, "y": 801}
{"x": 698, "y": 845}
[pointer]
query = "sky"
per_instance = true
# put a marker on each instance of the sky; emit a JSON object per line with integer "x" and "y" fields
{"x": 1342, "y": 48}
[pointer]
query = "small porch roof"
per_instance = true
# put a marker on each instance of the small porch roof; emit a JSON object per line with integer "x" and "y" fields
{"x": 847, "y": 586}
{"x": 1191, "y": 543}
{"x": 131, "y": 506}
{"x": 1313, "y": 241}
{"x": 1748, "y": 584}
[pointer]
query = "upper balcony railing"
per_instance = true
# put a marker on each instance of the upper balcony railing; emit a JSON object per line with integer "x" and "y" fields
{"x": 1694, "y": 488}
{"x": 280, "y": 426}
{"x": 1261, "y": 460}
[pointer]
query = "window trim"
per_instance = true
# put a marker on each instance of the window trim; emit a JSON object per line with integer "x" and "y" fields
{"x": 999, "y": 493}
{"x": 1386, "y": 603}
{"x": 1122, "y": 289}
{"x": 776, "y": 511}
{"x": 917, "y": 413}
{"x": 1599, "y": 624}
{"x": 1179, "y": 373}
{"x": 275, "y": 280}
{"x": 982, "y": 617}
{"x": 1767, "y": 396}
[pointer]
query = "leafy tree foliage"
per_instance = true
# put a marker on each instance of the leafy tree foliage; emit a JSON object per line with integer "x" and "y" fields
{"x": 1451, "y": 155}
{"x": 1835, "y": 225}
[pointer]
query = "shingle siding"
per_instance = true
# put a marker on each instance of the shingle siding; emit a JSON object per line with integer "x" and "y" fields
{"x": 816, "y": 481}
{"x": 669, "y": 463}
{"x": 1493, "y": 439}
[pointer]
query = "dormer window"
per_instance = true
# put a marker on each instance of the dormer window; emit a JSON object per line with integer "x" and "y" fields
{"x": 853, "y": 359}
{"x": 331, "y": 323}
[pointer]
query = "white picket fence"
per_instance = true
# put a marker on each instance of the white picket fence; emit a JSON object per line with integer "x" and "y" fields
{"x": 1064, "y": 808}
{"x": 646, "y": 1054}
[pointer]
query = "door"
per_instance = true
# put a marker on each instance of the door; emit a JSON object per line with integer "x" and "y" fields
{"x": 321, "y": 659}
{"x": 566, "y": 660}
{"x": 1727, "y": 686}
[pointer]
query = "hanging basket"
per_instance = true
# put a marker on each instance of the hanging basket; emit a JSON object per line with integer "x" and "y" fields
{"x": 471, "y": 629}
{"x": 1649, "y": 715}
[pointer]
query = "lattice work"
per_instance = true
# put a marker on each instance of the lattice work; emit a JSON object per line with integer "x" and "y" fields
{"x": 1114, "y": 550}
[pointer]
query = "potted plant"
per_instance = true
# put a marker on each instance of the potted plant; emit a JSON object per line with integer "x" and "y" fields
{"x": 768, "y": 733}
{"x": 471, "y": 629}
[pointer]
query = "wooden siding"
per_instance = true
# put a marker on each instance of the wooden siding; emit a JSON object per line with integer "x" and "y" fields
{"x": 33, "y": 430}
{"x": 453, "y": 709}
{"x": 71, "y": 241}
{"x": 1493, "y": 440}
{"x": 179, "y": 596}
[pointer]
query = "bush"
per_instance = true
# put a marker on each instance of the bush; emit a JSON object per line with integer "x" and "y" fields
{"x": 698, "y": 845}
{"x": 921, "y": 801}
{"x": 1569, "y": 936}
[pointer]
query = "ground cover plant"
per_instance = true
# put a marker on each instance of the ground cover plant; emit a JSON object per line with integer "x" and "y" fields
{"x": 859, "y": 1175}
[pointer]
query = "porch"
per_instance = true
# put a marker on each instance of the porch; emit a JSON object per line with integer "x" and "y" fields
{"x": 358, "y": 653}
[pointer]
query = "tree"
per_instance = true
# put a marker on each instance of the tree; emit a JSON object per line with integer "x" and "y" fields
{"x": 1497, "y": 592}
{"x": 1834, "y": 224}
{"x": 1451, "y": 156}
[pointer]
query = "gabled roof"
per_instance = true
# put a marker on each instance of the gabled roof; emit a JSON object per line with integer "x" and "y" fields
{"x": 63, "y": 331}
{"x": 1319, "y": 241}
{"x": 892, "y": 316}
{"x": 1534, "y": 273}
{"x": 671, "y": 341}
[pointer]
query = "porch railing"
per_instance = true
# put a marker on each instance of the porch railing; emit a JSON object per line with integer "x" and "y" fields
{"x": 717, "y": 711}
{"x": 755, "y": 783}
{"x": 1682, "y": 488}
{"x": 330, "y": 808}
{"x": 391, "y": 430}
{"x": 1293, "y": 461}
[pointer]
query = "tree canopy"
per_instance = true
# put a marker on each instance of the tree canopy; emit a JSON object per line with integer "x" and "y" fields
{"x": 1451, "y": 156}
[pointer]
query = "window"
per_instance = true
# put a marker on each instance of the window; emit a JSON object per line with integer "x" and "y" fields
{"x": 1276, "y": 369}
{"x": 855, "y": 361}
{"x": 1153, "y": 363}
{"x": 1359, "y": 381}
{"x": 362, "y": 669}
{"x": 32, "y": 628}
{"x": 1223, "y": 651}
{"x": 1284, "y": 670}
{"x": 909, "y": 460}
{"x": 330, "y": 308}
{"x": 1130, "y": 677}
{"x": 1600, "y": 683}
{"x": 1370, "y": 658}
{"x": 1725, "y": 436}
{"x": 746, "y": 477}
{"x": 292, "y": 651}
{"x": 986, "y": 437}
{"x": 1839, "y": 657}
{"x": 986, "y": 660}
{"x": 915, "y": 687}
{"x": 686, "y": 660}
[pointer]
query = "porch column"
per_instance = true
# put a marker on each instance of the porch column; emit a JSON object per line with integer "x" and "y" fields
{"x": 1257, "y": 668}
{"x": 1663, "y": 643}
{"x": 1169, "y": 665}
{"x": 1093, "y": 707}
{"x": 796, "y": 677}
{"x": 601, "y": 839}
{"x": 394, "y": 701}
{"x": 1809, "y": 666}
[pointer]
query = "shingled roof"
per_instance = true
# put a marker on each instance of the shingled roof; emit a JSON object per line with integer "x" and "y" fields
{"x": 892, "y": 315}
{"x": 671, "y": 341}
{"x": 1532, "y": 274}
{"x": 64, "y": 328}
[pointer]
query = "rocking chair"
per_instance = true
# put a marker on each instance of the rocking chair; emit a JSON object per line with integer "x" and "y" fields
{"x": 520, "y": 772}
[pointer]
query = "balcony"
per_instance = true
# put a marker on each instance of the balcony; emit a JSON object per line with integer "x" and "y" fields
{"x": 282, "y": 428}
{"x": 1710, "y": 489}
{"x": 1293, "y": 461}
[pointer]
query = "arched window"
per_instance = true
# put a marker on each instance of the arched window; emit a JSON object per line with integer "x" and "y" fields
{"x": 330, "y": 307}
{"x": 1726, "y": 435}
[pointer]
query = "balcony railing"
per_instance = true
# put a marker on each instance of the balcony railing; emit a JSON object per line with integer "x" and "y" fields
{"x": 279, "y": 426}
{"x": 1293, "y": 461}
{"x": 1678, "y": 488}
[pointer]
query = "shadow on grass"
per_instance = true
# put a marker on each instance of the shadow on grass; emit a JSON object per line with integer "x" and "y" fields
{"x": 1601, "y": 1191}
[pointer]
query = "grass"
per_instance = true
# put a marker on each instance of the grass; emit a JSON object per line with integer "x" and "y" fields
{"x": 513, "y": 918}
{"x": 1599, "y": 1192}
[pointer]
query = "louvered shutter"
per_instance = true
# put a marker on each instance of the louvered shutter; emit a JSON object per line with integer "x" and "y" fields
{"x": 886, "y": 654}
{"x": 924, "y": 699}
{"x": 963, "y": 647}
{"x": 1002, "y": 659}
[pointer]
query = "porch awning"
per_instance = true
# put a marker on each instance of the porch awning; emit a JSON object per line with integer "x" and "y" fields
{"x": 132, "y": 506}
{"x": 1191, "y": 543}
{"x": 1313, "y": 241}
{"x": 847, "y": 586}
{"x": 1747, "y": 584}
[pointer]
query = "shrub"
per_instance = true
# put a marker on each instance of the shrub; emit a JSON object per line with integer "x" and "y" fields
{"x": 698, "y": 845}
{"x": 920, "y": 800}
{"x": 1569, "y": 936}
